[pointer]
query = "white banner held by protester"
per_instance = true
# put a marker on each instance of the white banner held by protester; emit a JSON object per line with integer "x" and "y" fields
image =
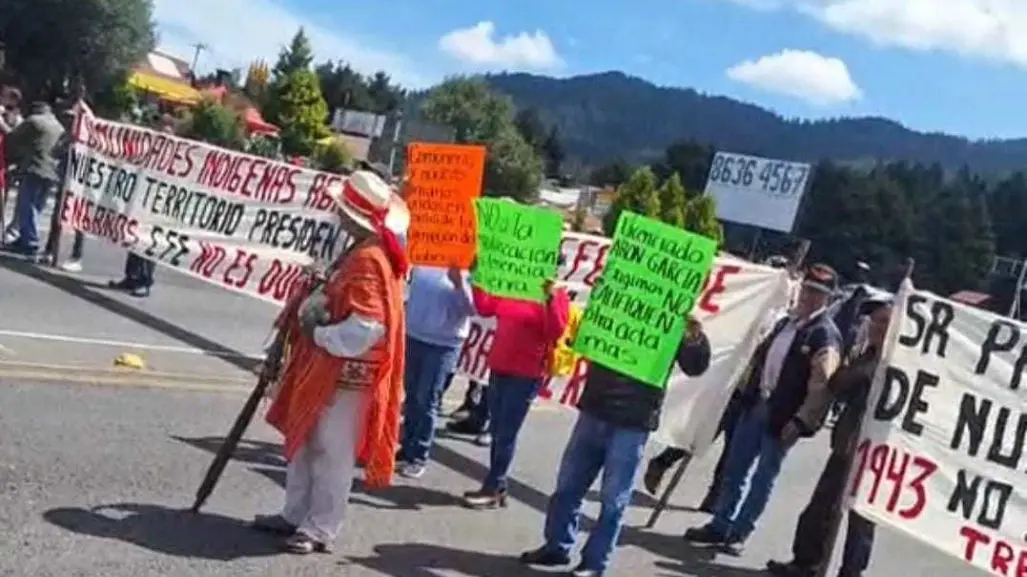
{"x": 242, "y": 222}
{"x": 736, "y": 298}
{"x": 941, "y": 451}
{"x": 757, "y": 191}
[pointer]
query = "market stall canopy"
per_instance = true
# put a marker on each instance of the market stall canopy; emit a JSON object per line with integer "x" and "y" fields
{"x": 255, "y": 123}
{"x": 165, "y": 88}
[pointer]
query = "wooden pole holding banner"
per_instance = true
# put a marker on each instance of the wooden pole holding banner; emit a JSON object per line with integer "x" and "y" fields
{"x": 794, "y": 264}
{"x": 834, "y": 528}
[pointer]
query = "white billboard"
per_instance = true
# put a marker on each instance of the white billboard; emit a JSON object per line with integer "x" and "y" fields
{"x": 757, "y": 191}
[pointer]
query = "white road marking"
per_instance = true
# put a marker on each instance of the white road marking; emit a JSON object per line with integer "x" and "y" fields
{"x": 123, "y": 344}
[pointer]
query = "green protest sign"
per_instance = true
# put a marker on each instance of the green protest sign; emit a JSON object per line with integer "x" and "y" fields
{"x": 637, "y": 311}
{"x": 518, "y": 248}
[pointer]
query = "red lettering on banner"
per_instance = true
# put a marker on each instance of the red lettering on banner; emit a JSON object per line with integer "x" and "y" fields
{"x": 84, "y": 215}
{"x": 207, "y": 262}
{"x": 1002, "y": 553}
{"x": 903, "y": 473}
{"x": 317, "y": 196}
{"x": 474, "y": 352}
{"x": 239, "y": 272}
{"x": 280, "y": 280}
{"x": 575, "y": 383}
{"x": 718, "y": 286}
{"x": 233, "y": 173}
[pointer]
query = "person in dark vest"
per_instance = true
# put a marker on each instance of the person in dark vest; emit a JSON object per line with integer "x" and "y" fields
{"x": 814, "y": 539}
{"x": 784, "y": 387}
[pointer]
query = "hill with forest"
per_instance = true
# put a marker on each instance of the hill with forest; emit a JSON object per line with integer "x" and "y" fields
{"x": 612, "y": 116}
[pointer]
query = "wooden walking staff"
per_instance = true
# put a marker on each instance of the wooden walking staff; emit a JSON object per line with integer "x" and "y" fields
{"x": 793, "y": 266}
{"x": 834, "y": 527}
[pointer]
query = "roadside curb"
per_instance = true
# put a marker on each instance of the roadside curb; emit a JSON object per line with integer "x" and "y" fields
{"x": 129, "y": 378}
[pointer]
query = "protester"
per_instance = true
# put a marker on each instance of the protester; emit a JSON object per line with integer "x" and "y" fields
{"x": 341, "y": 390}
{"x": 73, "y": 264}
{"x": 616, "y": 415}
{"x": 786, "y": 383}
{"x": 31, "y": 147}
{"x": 476, "y": 420}
{"x": 10, "y": 109}
{"x": 814, "y": 540}
{"x": 526, "y": 333}
{"x": 138, "y": 276}
{"x": 438, "y": 320}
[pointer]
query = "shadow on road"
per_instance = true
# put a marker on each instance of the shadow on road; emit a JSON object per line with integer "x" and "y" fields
{"x": 87, "y": 292}
{"x": 174, "y": 532}
{"x": 420, "y": 560}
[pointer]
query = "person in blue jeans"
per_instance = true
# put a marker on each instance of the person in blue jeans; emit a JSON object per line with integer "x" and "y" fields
{"x": 438, "y": 318}
{"x": 783, "y": 390}
{"x": 31, "y": 147}
{"x": 616, "y": 415}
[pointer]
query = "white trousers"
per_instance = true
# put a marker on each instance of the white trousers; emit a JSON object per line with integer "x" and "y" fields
{"x": 320, "y": 476}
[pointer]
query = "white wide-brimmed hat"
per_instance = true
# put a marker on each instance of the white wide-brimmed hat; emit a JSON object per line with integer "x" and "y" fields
{"x": 364, "y": 198}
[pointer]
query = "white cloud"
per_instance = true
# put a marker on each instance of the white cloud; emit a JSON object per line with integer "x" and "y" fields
{"x": 990, "y": 29}
{"x": 479, "y": 47}
{"x": 817, "y": 79}
{"x": 240, "y": 31}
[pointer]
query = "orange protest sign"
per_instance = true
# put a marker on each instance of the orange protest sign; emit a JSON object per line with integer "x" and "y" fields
{"x": 442, "y": 182}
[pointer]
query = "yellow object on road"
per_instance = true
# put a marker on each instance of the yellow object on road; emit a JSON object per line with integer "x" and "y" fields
{"x": 129, "y": 361}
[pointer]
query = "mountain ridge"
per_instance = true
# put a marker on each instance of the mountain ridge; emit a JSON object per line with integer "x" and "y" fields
{"x": 608, "y": 116}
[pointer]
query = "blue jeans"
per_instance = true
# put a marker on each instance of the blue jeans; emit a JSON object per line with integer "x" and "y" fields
{"x": 509, "y": 401}
{"x": 426, "y": 369}
{"x": 754, "y": 458}
{"x": 594, "y": 445}
{"x": 30, "y": 203}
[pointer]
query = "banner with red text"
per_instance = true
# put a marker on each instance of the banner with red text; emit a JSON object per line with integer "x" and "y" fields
{"x": 738, "y": 296}
{"x": 941, "y": 451}
{"x": 239, "y": 221}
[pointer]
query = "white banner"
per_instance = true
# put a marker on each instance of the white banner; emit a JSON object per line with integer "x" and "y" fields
{"x": 757, "y": 191}
{"x": 735, "y": 302}
{"x": 941, "y": 452}
{"x": 242, "y": 222}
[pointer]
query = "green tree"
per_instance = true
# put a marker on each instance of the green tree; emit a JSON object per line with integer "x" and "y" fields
{"x": 637, "y": 195}
{"x": 553, "y": 154}
{"x": 335, "y": 158}
{"x": 701, "y": 218}
{"x": 476, "y": 115}
{"x": 529, "y": 125}
{"x": 117, "y": 98}
{"x": 673, "y": 204}
{"x": 216, "y": 124}
{"x": 81, "y": 42}
{"x": 301, "y": 111}
{"x": 299, "y": 55}
{"x": 613, "y": 174}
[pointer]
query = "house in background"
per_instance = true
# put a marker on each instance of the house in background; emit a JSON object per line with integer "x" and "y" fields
{"x": 165, "y": 78}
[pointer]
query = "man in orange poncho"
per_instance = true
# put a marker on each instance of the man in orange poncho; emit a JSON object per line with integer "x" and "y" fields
{"x": 341, "y": 390}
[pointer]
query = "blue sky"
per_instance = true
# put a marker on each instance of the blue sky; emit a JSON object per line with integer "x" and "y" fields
{"x": 957, "y": 66}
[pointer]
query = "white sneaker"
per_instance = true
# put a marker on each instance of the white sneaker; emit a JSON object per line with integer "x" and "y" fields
{"x": 72, "y": 266}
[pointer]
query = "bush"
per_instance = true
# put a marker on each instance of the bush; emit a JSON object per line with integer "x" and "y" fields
{"x": 218, "y": 125}
{"x": 334, "y": 158}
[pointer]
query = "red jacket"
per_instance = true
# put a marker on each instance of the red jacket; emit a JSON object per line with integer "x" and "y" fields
{"x": 526, "y": 332}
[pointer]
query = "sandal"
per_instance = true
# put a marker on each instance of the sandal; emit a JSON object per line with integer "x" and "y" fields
{"x": 303, "y": 544}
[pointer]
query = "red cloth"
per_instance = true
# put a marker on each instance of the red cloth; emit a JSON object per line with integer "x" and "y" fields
{"x": 526, "y": 332}
{"x": 393, "y": 248}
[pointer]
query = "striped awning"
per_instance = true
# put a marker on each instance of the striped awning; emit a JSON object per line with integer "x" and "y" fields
{"x": 166, "y": 88}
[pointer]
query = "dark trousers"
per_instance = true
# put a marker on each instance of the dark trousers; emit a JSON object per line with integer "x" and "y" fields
{"x": 55, "y": 232}
{"x": 814, "y": 542}
{"x": 726, "y": 428}
{"x": 510, "y": 400}
{"x": 139, "y": 271}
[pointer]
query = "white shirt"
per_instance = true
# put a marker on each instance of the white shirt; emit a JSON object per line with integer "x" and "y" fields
{"x": 775, "y": 359}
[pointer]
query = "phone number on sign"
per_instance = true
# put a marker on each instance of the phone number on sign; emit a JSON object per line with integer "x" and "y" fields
{"x": 772, "y": 176}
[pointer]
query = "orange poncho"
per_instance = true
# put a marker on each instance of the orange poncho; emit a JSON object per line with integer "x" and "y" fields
{"x": 366, "y": 284}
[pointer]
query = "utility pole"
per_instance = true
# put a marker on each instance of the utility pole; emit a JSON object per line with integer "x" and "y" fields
{"x": 200, "y": 47}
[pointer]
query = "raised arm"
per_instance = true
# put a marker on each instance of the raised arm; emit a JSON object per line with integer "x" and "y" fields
{"x": 485, "y": 304}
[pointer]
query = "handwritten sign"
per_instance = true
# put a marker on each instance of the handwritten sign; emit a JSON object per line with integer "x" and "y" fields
{"x": 443, "y": 181}
{"x": 637, "y": 312}
{"x": 518, "y": 248}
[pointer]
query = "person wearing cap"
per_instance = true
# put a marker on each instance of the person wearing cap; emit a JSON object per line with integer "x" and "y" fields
{"x": 782, "y": 394}
{"x": 814, "y": 539}
{"x": 340, "y": 394}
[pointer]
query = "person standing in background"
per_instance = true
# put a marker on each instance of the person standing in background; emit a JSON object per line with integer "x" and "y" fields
{"x": 31, "y": 147}
{"x": 73, "y": 264}
{"x": 438, "y": 314}
{"x": 526, "y": 334}
{"x": 138, "y": 279}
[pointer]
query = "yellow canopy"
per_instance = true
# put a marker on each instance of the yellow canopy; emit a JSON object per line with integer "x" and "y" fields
{"x": 165, "y": 88}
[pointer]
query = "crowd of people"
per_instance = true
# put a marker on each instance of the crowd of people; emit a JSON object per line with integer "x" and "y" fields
{"x": 373, "y": 348}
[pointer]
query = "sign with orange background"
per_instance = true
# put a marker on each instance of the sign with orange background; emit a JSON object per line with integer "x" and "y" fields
{"x": 442, "y": 182}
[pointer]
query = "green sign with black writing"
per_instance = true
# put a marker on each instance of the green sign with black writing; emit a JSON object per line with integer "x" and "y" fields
{"x": 518, "y": 248}
{"x": 638, "y": 310}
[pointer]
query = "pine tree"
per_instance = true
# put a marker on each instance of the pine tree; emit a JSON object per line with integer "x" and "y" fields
{"x": 301, "y": 111}
{"x": 673, "y": 203}
{"x": 299, "y": 55}
{"x": 637, "y": 195}
{"x": 701, "y": 218}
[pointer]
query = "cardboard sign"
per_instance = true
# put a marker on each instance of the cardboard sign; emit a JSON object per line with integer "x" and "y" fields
{"x": 518, "y": 248}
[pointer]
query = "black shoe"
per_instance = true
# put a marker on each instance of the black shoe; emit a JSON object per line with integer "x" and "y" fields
{"x": 705, "y": 535}
{"x": 790, "y": 569}
{"x": 465, "y": 427}
{"x": 485, "y": 500}
{"x": 544, "y": 557}
{"x": 274, "y": 524}
{"x": 653, "y": 477}
{"x": 121, "y": 285}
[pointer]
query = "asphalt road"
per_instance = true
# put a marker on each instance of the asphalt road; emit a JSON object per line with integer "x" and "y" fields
{"x": 97, "y": 479}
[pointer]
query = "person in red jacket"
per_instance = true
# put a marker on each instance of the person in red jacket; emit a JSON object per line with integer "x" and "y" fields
{"x": 526, "y": 333}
